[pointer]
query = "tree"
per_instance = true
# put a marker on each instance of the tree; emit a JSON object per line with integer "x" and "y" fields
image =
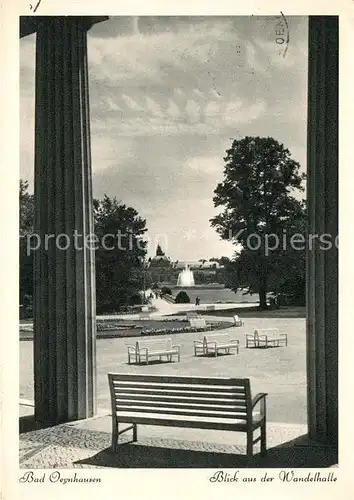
{"x": 159, "y": 251}
{"x": 260, "y": 178}
{"x": 120, "y": 256}
{"x": 26, "y": 222}
{"x": 182, "y": 298}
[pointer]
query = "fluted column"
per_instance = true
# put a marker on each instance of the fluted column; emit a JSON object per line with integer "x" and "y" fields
{"x": 64, "y": 297}
{"x": 322, "y": 283}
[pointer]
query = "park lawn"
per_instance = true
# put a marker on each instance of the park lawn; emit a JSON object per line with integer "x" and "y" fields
{"x": 281, "y": 372}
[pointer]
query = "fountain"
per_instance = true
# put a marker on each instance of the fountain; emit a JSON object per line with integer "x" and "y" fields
{"x": 185, "y": 278}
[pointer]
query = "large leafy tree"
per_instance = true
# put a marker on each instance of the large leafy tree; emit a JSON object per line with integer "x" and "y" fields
{"x": 25, "y": 230}
{"x": 257, "y": 196}
{"x": 120, "y": 254}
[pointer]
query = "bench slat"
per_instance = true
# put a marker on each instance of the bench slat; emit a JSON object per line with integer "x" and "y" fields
{"x": 187, "y": 393}
{"x": 217, "y": 400}
{"x": 165, "y": 379}
{"x": 235, "y": 391}
{"x": 182, "y": 406}
{"x": 193, "y": 424}
{"x": 194, "y": 413}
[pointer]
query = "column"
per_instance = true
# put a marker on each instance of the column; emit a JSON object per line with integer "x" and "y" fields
{"x": 64, "y": 291}
{"x": 322, "y": 276}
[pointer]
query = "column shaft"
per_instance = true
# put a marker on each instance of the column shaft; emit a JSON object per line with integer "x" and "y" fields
{"x": 322, "y": 275}
{"x": 64, "y": 298}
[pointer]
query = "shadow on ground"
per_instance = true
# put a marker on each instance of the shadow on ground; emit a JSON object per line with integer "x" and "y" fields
{"x": 141, "y": 456}
{"x": 162, "y": 453}
{"x": 246, "y": 312}
{"x": 28, "y": 423}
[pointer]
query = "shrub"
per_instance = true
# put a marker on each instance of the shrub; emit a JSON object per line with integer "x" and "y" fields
{"x": 135, "y": 299}
{"x": 165, "y": 290}
{"x": 182, "y": 298}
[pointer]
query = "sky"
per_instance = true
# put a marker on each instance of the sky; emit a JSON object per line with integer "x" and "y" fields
{"x": 167, "y": 97}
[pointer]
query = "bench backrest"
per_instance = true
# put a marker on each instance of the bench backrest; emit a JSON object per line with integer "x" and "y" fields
{"x": 219, "y": 338}
{"x": 221, "y": 398}
{"x": 197, "y": 322}
{"x": 237, "y": 318}
{"x": 192, "y": 314}
{"x": 144, "y": 315}
{"x": 266, "y": 331}
{"x": 153, "y": 345}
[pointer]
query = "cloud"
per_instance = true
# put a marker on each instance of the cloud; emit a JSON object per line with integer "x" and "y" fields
{"x": 130, "y": 103}
{"x": 173, "y": 111}
{"x": 167, "y": 95}
{"x": 192, "y": 110}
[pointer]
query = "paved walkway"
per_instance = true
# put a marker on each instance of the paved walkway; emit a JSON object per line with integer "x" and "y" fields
{"x": 86, "y": 444}
{"x": 280, "y": 372}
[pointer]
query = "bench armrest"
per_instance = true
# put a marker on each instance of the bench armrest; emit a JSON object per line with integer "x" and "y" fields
{"x": 177, "y": 346}
{"x": 260, "y": 397}
{"x": 131, "y": 348}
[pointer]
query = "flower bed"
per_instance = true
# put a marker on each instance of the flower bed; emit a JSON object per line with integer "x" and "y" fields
{"x": 186, "y": 329}
{"x": 114, "y": 330}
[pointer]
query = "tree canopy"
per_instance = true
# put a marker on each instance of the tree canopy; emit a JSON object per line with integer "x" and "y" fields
{"x": 120, "y": 251}
{"x": 259, "y": 206}
{"x": 120, "y": 254}
{"x": 26, "y": 221}
{"x": 159, "y": 251}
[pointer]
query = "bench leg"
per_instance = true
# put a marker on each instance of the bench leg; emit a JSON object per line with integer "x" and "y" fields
{"x": 250, "y": 443}
{"x": 114, "y": 435}
{"x": 263, "y": 439}
{"x": 135, "y": 432}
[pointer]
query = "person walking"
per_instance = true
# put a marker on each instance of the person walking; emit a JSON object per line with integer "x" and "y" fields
{"x": 197, "y": 301}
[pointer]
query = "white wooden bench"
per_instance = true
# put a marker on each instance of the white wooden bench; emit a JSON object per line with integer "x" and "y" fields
{"x": 266, "y": 337}
{"x": 191, "y": 315}
{"x": 251, "y": 339}
{"x": 197, "y": 323}
{"x": 196, "y": 402}
{"x": 237, "y": 321}
{"x": 144, "y": 315}
{"x": 216, "y": 342}
{"x": 146, "y": 349}
{"x": 199, "y": 347}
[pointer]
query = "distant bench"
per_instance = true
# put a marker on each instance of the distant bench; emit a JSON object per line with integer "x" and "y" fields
{"x": 144, "y": 315}
{"x": 237, "y": 321}
{"x": 266, "y": 337}
{"x": 197, "y": 323}
{"x": 192, "y": 315}
{"x": 213, "y": 343}
{"x": 196, "y": 402}
{"x": 144, "y": 350}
